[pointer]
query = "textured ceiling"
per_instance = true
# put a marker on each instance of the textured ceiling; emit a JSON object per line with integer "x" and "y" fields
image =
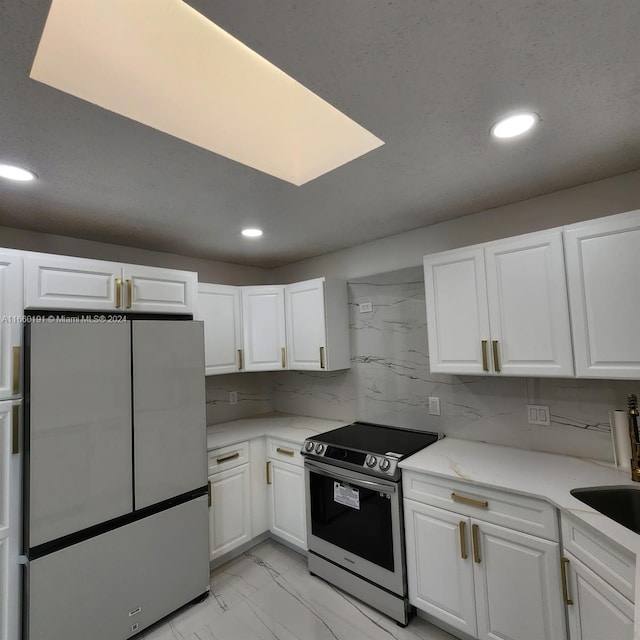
{"x": 427, "y": 77}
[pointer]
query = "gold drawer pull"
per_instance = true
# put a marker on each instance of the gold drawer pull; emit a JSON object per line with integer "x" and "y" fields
{"x": 283, "y": 356}
{"x": 233, "y": 456}
{"x": 476, "y": 543}
{"x": 482, "y": 504}
{"x": 485, "y": 359}
{"x": 240, "y": 359}
{"x": 118, "y": 293}
{"x": 129, "y": 293}
{"x": 322, "y": 365}
{"x": 564, "y": 563}
{"x": 463, "y": 539}
{"x": 15, "y": 439}
{"x": 16, "y": 370}
{"x": 286, "y": 452}
{"x": 268, "y": 472}
{"x": 496, "y": 361}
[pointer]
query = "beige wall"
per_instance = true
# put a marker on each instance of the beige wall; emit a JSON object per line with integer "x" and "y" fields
{"x": 593, "y": 200}
{"x": 208, "y": 270}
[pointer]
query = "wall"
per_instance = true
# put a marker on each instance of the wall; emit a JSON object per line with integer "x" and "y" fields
{"x": 208, "y": 270}
{"x": 255, "y": 396}
{"x": 390, "y": 383}
{"x": 593, "y": 200}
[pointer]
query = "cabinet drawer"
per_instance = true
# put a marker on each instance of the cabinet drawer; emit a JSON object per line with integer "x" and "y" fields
{"x": 284, "y": 450}
{"x": 612, "y": 563}
{"x": 228, "y": 457}
{"x": 511, "y": 510}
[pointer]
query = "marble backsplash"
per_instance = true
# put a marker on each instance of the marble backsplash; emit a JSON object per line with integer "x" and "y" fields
{"x": 390, "y": 383}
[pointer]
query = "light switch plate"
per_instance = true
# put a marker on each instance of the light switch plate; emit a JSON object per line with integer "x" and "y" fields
{"x": 233, "y": 397}
{"x": 539, "y": 414}
{"x": 365, "y": 307}
{"x": 434, "y": 406}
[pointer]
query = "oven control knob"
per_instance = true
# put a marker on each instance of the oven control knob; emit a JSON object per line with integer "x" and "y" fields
{"x": 371, "y": 461}
{"x": 308, "y": 446}
{"x": 319, "y": 448}
{"x": 384, "y": 464}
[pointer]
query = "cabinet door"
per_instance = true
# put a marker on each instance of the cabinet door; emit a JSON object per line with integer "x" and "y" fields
{"x": 439, "y": 565}
{"x": 457, "y": 312}
{"x": 263, "y": 328}
{"x": 230, "y": 511}
{"x": 219, "y": 309}
{"x": 10, "y": 530}
{"x": 517, "y": 580}
{"x": 287, "y": 515}
{"x": 598, "y": 611}
{"x": 603, "y": 263}
{"x": 306, "y": 326}
{"x": 528, "y": 307}
{"x": 60, "y": 282}
{"x": 10, "y": 328}
{"x": 159, "y": 290}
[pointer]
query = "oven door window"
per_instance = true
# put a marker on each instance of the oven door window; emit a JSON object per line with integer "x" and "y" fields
{"x": 353, "y": 518}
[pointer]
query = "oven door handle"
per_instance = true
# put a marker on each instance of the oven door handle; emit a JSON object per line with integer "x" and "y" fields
{"x": 367, "y": 484}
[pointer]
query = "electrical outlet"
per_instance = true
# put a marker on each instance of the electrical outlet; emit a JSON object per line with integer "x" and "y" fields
{"x": 539, "y": 414}
{"x": 233, "y": 397}
{"x": 365, "y": 307}
{"x": 434, "y": 406}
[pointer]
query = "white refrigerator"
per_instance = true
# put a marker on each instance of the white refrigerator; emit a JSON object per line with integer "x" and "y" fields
{"x": 115, "y": 480}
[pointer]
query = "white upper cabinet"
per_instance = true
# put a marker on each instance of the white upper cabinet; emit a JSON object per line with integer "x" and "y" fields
{"x": 10, "y": 328}
{"x": 603, "y": 265}
{"x": 500, "y": 308}
{"x": 62, "y": 282}
{"x": 264, "y": 337}
{"x": 457, "y": 312}
{"x": 219, "y": 308}
{"x": 150, "y": 289}
{"x": 317, "y": 325}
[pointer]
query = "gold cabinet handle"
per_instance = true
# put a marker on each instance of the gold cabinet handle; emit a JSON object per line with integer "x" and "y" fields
{"x": 268, "y": 472}
{"x": 233, "y": 456}
{"x": 15, "y": 439}
{"x": 129, "y": 293}
{"x": 286, "y": 452}
{"x": 210, "y": 499}
{"x": 322, "y": 366}
{"x": 482, "y": 504}
{"x": 16, "y": 370}
{"x": 463, "y": 539}
{"x": 485, "y": 358}
{"x": 118, "y": 293}
{"x": 496, "y": 361}
{"x": 283, "y": 355}
{"x": 564, "y": 563}
{"x": 476, "y": 543}
{"x": 240, "y": 359}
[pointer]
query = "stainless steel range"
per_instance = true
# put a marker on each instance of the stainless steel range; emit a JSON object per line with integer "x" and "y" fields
{"x": 355, "y": 528}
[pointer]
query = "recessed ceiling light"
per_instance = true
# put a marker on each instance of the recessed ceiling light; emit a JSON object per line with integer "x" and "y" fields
{"x": 515, "y": 125}
{"x": 252, "y": 233}
{"x": 11, "y": 172}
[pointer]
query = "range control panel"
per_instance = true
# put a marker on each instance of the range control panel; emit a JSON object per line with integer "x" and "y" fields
{"x": 385, "y": 465}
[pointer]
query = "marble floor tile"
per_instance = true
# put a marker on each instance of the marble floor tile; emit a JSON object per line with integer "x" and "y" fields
{"x": 268, "y": 594}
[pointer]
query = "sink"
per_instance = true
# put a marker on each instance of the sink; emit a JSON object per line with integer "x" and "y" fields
{"x": 621, "y": 504}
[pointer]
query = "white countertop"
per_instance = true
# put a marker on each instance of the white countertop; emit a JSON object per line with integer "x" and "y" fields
{"x": 541, "y": 475}
{"x": 293, "y": 428}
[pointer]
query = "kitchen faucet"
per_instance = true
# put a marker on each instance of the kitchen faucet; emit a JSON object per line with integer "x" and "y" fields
{"x": 632, "y": 402}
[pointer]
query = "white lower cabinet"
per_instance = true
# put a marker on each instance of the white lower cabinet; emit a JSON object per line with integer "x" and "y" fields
{"x": 487, "y": 580}
{"x": 286, "y": 498}
{"x": 230, "y": 511}
{"x": 10, "y": 500}
{"x": 597, "y": 611}
{"x": 230, "y": 499}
